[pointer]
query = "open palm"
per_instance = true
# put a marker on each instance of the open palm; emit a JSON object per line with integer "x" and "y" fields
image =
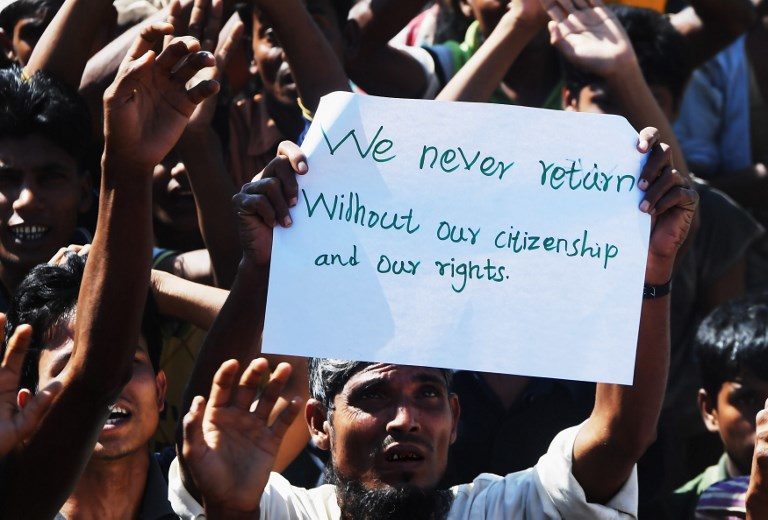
{"x": 229, "y": 450}
{"x": 591, "y": 37}
{"x": 148, "y": 106}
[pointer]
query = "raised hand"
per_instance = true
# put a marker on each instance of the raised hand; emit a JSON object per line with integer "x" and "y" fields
{"x": 148, "y": 106}
{"x": 16, "y": 426}
{"x": 757, "y": 494}
{"x": 589, "y": 35}
{"x": 229, "y": 450}
{"x": 670, "y": 200}
{"x": 264, "y": 203}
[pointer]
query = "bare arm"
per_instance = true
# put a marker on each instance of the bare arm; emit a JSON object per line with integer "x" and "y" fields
{"x": 200, "y": 149}
{"x": 146, "y": 110}
{"x": 187, "y": 301}
{"x": 314, "y": 64}
{"x": 67, "y": 43}
{"x": 623, "y": 421}
{"x": 711, "y": 25}
{"x": 371, "y": 61}
{"x": 757, "y": 494}
{"x": 482, "y": 74}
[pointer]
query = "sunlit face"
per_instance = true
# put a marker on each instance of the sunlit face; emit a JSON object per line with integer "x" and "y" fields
{"x": 134, "y": 416}
{"x": 392, "y": 425}
{"x": 41, "y": 196}
{"x": 733, "y": 417}
{"x": 268, "y": 53}
{"x": 173, "y": 204}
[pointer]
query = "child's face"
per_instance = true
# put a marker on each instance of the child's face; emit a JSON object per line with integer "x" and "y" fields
{"x": 733, "y": 414}
{"x": 268, "y": 53}
{"x": 26, "y": 33}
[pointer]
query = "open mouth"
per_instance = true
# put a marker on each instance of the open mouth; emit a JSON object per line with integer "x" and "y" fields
{"x": 117, "y": 416}
{"x": 28, "y": 232}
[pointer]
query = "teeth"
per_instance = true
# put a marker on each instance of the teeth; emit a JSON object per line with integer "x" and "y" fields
{"x": 29, "y": 232}
{"x": 408, "y": 456}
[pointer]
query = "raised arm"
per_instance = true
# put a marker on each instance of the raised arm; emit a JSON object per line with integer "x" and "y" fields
{"x": 146, "y": 110}
{"x": 374, "y": 64}
{"x": 314, "y": 63}
{"x": 711, "y": 25}
{"x": 623, "y": 421}
{"x": 236, "y": 334}
{"x": 594, "y": 41}
{"x": 482, "y": 74}
{"x": 68, "y": 41}
{"x": 201, "y": 150}
{"x": 757, "y": 494}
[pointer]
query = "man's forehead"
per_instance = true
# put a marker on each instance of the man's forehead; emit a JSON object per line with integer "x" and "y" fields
{"x": 32, "y": 152}
{"x": 390, "y": 372}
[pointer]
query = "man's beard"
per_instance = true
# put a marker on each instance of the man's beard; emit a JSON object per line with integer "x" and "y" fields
{"x": 405, "y": 501}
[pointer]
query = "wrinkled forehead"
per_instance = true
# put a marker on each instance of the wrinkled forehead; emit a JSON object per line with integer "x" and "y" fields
{"x": 388, "y": 373}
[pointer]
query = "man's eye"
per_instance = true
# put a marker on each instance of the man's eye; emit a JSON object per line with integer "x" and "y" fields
{"x": 430, "y": 391}
{"x": 271, "y": 36}
{"x": 371, "y": 394}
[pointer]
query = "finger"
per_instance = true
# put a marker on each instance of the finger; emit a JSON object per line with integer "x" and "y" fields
{"x": 556, "y": 13}
{"x": 175, "y": 51}
{"x": 175, "y": 19}
{"x": 192, "y": 425}
{"x": 56, "y": 259}
{"x": 84, "y": 250}
{"x": 190, "y": 64}
{"x": 286, "y": 417}
{"x": 272, "y": 390}
{"x": 648, "y": 138}
{"x": 223, "y": 384}
{"x": 566, "y": 6}
{"x": 659, "y": 188}
{"x": 659, "y": 158}
{"x": 581, "y": 4}
{"x": 3, "y": 321}
{"x": 680, "y": 197}
{"x": 29, "y": 417}
{"x": 227, "y": 44}
{"x": 255, "y": 205}
{"x": 197, "y": 18}
{"x": 250, "y": 384}
{"x": 272, "y": 187}
{"x": 293, "y": 153}
{"x": 203, "y": 91}
{"x": 210, "y": 34}
{"x": 149, "y": 37}
{"x": 17, "y": 350}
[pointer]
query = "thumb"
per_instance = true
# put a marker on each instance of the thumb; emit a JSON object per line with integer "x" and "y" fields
{"x": 194, "y": 443}
{"x": 30, "y": 416}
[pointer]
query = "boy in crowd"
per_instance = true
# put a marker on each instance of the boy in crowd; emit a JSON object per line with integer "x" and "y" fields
{"x": 732, "y": 349}
{"x": 22, "y": 22}
{"x": 44, "y": 184}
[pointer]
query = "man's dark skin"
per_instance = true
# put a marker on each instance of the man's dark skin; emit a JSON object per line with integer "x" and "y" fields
{"x": 140, "y": 128}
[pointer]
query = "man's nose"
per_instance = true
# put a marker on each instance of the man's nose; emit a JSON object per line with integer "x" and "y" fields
{"x": 27, "y": 198}
{"x": 405, "y": 419}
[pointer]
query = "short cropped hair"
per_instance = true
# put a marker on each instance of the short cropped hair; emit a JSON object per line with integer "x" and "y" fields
{"x": 42, "y": 106}
{"x": 733, "y": 337}
{"x": 47, "y": 299}
{"x": 661, "y": 50}
{"x": 327, "y": 377}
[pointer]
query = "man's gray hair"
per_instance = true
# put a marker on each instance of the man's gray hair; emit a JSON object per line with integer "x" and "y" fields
{"x": 327, "y": 377}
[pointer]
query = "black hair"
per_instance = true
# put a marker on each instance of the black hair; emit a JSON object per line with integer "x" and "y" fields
{"x": 47, "y": 298}
{"x": 661, "y": 50}
{"x": 19, "y": 9}
{"x": 733, "y": 337}
{"x": 42, "y": 106}
{"x": 341, "y": 7}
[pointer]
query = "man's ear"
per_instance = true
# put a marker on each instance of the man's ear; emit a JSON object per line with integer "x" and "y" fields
{"x": 161, "y": 386}
{"x": 466, "y": 9}
{"x": 6, "y": 45}
{"x": 23, "y": 397}
{"x": 708, "y": 410}
{"x": 453, "y": 401}
{"x": 86, "y": 192}
{"x": 569, "y": 101}
{"x": 319, "y": 427}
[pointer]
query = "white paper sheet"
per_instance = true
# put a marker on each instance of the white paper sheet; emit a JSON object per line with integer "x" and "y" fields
{"x": 486, "y": 208}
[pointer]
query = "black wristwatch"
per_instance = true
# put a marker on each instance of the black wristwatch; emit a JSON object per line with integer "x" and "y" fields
{"x": 651, "y": 292}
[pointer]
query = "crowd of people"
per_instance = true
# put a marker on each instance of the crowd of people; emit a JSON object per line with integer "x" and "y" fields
{"x": 149, "y": 149}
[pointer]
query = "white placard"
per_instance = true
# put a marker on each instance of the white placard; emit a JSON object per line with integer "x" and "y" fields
{"x": 464, "y": 235}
